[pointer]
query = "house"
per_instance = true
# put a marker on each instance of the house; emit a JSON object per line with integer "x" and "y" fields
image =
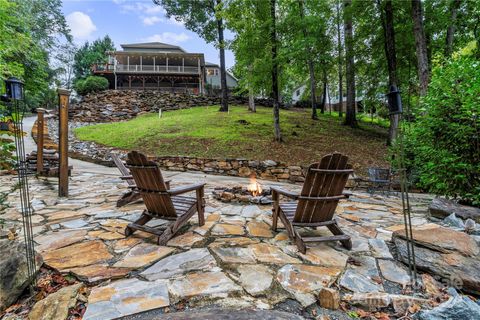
{"x": 154, "y": 65}
{"x": 298, "y": 93}
{"x": 213, "y": 77}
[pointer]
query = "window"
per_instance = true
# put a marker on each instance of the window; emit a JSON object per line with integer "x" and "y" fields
{"x": 212, "y": 72}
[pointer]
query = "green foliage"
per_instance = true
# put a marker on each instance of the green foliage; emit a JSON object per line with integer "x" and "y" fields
{"x": 7, "y": 158}
{"x": 89, "y": 54}
{"x": 29, "y": 30}
{"x": 91, "y": 84}
{"x": 444, "y": 143}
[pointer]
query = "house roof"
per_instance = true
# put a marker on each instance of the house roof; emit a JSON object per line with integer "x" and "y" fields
{"x": 152, "y": 45}
{"x": 210, "y": 64}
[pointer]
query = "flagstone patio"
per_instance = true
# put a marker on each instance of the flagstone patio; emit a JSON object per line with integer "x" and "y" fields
{"x": 234, "y": 260}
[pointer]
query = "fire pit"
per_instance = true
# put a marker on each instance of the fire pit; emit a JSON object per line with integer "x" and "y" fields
{"x": 253, "y": 193}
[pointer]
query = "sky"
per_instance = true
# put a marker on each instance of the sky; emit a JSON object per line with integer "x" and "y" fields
{"x": 134, "y": 21}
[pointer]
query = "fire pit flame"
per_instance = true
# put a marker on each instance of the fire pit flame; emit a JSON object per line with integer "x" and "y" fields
{"x": 254, "y": 187}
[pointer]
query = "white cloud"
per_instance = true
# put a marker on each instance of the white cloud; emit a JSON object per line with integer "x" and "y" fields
{"x": 81, "y": 25}
{"x": 141, "y": 8}
{"x": 168, "y": 37}
{"x": 150, "y": 21}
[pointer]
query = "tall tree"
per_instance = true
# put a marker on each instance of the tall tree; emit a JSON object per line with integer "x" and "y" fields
{"x": 203, "y": 17}
{"x": 90, "y": 54}
{"x": 386, "y": 14}
{"x": 350, "y": 118}
{"x": 455, "y": 5}
{"x": 309, "y": 59}
{"x": 275, "y": 93}
{"x": 421, "y": 46}
{"x": 340, "y": 61}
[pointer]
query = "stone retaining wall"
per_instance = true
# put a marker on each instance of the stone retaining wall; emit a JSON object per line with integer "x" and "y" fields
{"x": 111, "y": 105}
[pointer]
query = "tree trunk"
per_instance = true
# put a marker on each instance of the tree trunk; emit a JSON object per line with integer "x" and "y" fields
{"x": 350, "y": 118}
{"x": 340, "y": 63}
{"x": 223, "y": 72}
{"x": 421, "y": 46}
{"x": 276, "y": 105}
{"x": 386, "y": 15}
{"x": 251, "y": 97}
{"x": 451, "y": 28}
{"x": 324, "y": 96}
{"x": 311, "y": 69}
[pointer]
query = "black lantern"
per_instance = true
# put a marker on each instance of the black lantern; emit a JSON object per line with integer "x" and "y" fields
{"x": 14, "y": 88}
{"x": 394, "y": 101}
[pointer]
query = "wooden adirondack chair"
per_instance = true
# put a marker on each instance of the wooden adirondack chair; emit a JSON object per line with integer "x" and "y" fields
{"x": 132, "y": 194}
{"x": 323, "y": 188}
{"x": 161, "y": 202}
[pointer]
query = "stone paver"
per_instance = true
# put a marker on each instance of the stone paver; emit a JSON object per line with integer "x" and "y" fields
{"x": 142, "y": 255}
{"x": 214, "y": 284}
{"x": 125, "y": 297}
{"x": 255, "y": 279}
{"x": 177, "y": 264}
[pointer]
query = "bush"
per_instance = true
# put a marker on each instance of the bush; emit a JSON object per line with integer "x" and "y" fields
{"x": 443, "y": 145}
{"x": 91, "y": 84}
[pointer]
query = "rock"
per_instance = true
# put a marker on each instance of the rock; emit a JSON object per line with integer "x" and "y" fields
{"x": 379, "y": 249}
{"x": 185, "y": 241}
{"x": 270, "y": 254}
{"x": 458, "y": 270}
{"x": 74, "y": 224}
{"x": 303, "y": 280}
{"x": 255, "y": 279}
{"x": 323, "y": 255}
{"x": 250, "y": 211}
{"x": 192, "y": 260}
{"x": 394, "y": 272}
{"x": 456, "y": 308}
{"x": 432, "y": 287}
{"x": 441, "y": 208}
{"x": 56, "y": 305}
{"x": 233, "y": 242}
{"x": 125, "y": 297}
{"x": 453, "y": 221}
{"x": 259, "y": 229}
{"x": 442, "y": 239}
{"x": 77, "y": 255}
{"x": 370, "y": 300}
{"x": 401, "y": 303}
{"x": 329, "y": 298}
{"x": 234, "y": 254}
{"x": 244, "y": 172}
{"x": 60, "y": 239}
{"x": 13, "y": 271}
{"x": 98, "y": 272}
{"x": 142, "y": 255}
{"x": 357, "y": 282}
{"x": 212, "y": 284}
{"x": 227, "y": 229}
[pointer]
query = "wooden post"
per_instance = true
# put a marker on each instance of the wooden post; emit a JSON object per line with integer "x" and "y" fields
{"x": 40, "y": 136}
{"x": 63, "y": 96}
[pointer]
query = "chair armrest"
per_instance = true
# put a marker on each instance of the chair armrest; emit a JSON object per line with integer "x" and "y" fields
{"x": 286, "y": 193}
{"x": 346, "y": 195}
{"x": 126, "y": 177}
{"x": 185, "y": 189}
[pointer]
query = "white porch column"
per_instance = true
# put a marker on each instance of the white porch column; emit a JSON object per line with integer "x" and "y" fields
{"x": 141, "y": 64}
{"x": 154, "y": 63}
{"x": 183, "y": 64}
{"x": 128, "y": 63}
{"x": 167, "y": 64}
{"x": 115, "y": 81}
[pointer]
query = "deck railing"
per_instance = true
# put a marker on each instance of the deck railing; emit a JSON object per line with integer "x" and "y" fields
{"x": 156, "y": 69}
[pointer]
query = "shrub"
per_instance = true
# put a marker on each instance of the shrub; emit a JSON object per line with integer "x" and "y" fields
{"x": 443, "y": 145}
{"x": 91, "y": 84}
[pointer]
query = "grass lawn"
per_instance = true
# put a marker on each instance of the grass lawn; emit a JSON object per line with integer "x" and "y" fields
{"x": 205, "y": 132}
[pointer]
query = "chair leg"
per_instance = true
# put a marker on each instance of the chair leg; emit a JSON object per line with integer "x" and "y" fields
{"x": 144, "y": 218}
{"x": 275, "y": 210}
{"x": 127, "y": 198}
{"x": 335, "y": 229}
{"x": 299, "y": 242}
{"x": 166, "y": 235}
{"x": 201, "y": 207}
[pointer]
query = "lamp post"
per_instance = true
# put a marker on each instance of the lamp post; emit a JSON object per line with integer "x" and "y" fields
{"x": 14, "y": 97}
{"x": 395, "y": 108}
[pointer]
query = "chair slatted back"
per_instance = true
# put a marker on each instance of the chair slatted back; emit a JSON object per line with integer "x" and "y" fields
{"x": 150, "y": 184}
{"x": 327, "y": 183}
{"x": 121, "y": 167}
